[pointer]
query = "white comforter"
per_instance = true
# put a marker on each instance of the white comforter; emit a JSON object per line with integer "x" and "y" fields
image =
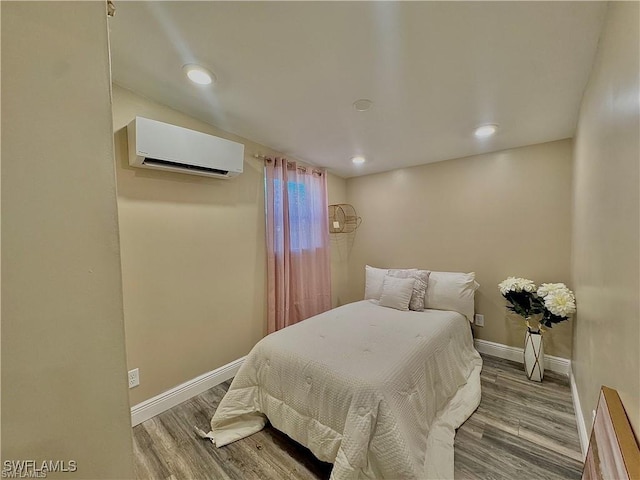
{"x": 376, "y": 391}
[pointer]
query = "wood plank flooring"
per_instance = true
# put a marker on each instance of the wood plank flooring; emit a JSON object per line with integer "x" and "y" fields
{"x": 521, "y": 430}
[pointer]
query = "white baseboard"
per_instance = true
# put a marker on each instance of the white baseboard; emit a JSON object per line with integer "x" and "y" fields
{"x": 582, "y": 427}
{"x": 555, "y": 364}
{"x": 166, "y": 400}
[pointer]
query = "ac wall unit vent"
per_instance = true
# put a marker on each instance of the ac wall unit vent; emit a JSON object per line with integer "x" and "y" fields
{"x": 162, "y": 146}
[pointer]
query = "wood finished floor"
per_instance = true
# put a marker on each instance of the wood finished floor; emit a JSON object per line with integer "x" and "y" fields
{"x": 521, "y": 430}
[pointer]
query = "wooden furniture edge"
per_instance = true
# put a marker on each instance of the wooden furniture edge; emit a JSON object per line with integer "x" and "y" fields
{"x": 624, "y": 433}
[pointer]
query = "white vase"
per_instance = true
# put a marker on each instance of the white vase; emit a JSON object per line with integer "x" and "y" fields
{"x": 533, "y": 355}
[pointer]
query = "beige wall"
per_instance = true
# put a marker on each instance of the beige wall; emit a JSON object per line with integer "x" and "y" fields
{"x": 606, "y": 243}
{"x": 337, "y": 192}
{"x": 193, "y": 258}
{"x": 64, "y": 390}
{"x": 498, "y": 214}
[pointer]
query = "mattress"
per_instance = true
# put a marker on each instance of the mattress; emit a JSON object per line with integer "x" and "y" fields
{"x": 376, "y": 391}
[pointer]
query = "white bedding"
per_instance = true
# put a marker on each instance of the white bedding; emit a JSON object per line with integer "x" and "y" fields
{"x": 376, "y": 391}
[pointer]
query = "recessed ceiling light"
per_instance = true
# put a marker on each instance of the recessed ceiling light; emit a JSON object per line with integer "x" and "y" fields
{"x": 198, "y": 74}
{"x": 358, "y": 160}
{"x": 485, "y": 131}
{"x": 362, "y": 105}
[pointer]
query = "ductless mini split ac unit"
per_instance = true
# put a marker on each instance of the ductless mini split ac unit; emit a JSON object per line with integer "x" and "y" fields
{"x": 162, "y": 146}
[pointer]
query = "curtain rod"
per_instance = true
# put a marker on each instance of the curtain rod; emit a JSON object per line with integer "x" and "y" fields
{"x": 289, "y": 164}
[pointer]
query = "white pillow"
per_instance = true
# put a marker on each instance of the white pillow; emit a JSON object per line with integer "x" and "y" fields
{"x": 419, "y": 287}
{"x": 396, "y": 292}
{"x": 452, "y": 291}
{"x": 374, "y": 277}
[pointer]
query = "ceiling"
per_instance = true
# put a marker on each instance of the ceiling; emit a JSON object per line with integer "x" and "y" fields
{"x": 289, "y": 72}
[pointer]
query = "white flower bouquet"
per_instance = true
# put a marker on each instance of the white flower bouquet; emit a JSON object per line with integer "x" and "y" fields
{"x": 552, "y": 302}
{"x": 559, "y": 302}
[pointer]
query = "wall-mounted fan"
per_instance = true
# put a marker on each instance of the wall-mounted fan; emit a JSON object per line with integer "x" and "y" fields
{"x": 343, "y": 218}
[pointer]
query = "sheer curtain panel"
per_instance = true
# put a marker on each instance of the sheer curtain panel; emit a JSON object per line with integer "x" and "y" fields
{"x": 298, "y": 268}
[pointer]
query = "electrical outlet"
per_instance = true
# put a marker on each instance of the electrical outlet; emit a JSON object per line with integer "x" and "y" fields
{"x": 479, "y": 320}
{"x": 134, "y": 378}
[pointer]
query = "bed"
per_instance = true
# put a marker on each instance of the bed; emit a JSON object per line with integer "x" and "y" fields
{"x": 376, "y": 391}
